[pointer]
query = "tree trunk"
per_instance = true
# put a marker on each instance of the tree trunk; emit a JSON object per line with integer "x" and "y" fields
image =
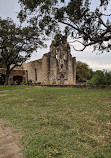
{"x": 7, "y": 76}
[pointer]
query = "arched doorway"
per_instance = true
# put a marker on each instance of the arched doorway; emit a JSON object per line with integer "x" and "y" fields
{"x": 2, "y": 79}
{"x": 17, "y": 79}
{"x": 61, "y": 79}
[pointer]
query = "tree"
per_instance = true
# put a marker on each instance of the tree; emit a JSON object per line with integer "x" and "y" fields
{"x": 100, "y": 78}
{"x": 83, "y": 72}
{"x": 86, "y": 26}
{"x": 39, "y": 14}
{"x": 2, "y": 64}
{"x": 59, "y": 38}
{"x": 107, "y": 77}
{"x": 97, "y": 79}
{"x": 17, "y": 44}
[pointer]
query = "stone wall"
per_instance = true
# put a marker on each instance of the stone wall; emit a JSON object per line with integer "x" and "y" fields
{"x": 53, "y": 71}
{"x": 45, "y": 69}
{"x": 33, "y": 70}
{"x": 56, "y": 67}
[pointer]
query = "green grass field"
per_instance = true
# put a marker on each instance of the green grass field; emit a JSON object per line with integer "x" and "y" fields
{"x": 59, "y": 122}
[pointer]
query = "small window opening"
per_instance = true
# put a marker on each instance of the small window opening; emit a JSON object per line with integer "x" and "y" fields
{"x": 61, "y": 65}
{"x": 35, "y": 74}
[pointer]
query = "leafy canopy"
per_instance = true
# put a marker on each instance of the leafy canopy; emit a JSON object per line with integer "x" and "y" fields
{"x": 83, "y": 72}
{"x": 59, "y": 39}
{"x": 17, "y": 43}
{"x": 100, "y": 78}
{"x": 86, "y": 26}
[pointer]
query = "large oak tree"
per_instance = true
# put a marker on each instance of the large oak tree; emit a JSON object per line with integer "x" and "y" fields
{"x": 17, "y": 44}
{"x": 86, "y": 25}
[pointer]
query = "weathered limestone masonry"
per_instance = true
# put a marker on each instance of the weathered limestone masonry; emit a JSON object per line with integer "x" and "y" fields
{"x": 56, "y": 67}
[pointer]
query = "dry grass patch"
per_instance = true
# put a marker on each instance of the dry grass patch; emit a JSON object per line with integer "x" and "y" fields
{"x": 106, "y": 100}
{"x": 1, "y": 95}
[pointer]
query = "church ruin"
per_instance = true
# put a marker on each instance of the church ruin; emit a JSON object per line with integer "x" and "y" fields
{"x": 56, "y": 67}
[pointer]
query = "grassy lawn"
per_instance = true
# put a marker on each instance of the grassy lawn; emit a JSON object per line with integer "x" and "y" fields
{"x": 7, "y": 88}
{"x": 60, "y": 122}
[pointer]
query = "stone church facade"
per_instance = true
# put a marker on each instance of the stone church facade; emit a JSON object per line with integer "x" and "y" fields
{"x": 56, "y": 67}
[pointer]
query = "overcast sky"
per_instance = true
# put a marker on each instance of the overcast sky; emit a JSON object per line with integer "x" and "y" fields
{"x": 9, "y": 8}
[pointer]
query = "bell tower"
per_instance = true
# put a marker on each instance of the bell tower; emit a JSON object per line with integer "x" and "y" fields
{"x": 60, "y": 50}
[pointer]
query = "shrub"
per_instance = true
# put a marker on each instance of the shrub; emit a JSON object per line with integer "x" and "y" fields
{"x": 38, "y": 83}
{"x": 100, "y": 78}
{"x": 30, "y": 82}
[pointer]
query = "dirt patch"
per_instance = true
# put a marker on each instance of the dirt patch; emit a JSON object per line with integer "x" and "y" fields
{"x": 106, "y": 100}
{"x": 1, "y": 95}
{"x": 2, "y": 122}
{"x": 10, "y": 146}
